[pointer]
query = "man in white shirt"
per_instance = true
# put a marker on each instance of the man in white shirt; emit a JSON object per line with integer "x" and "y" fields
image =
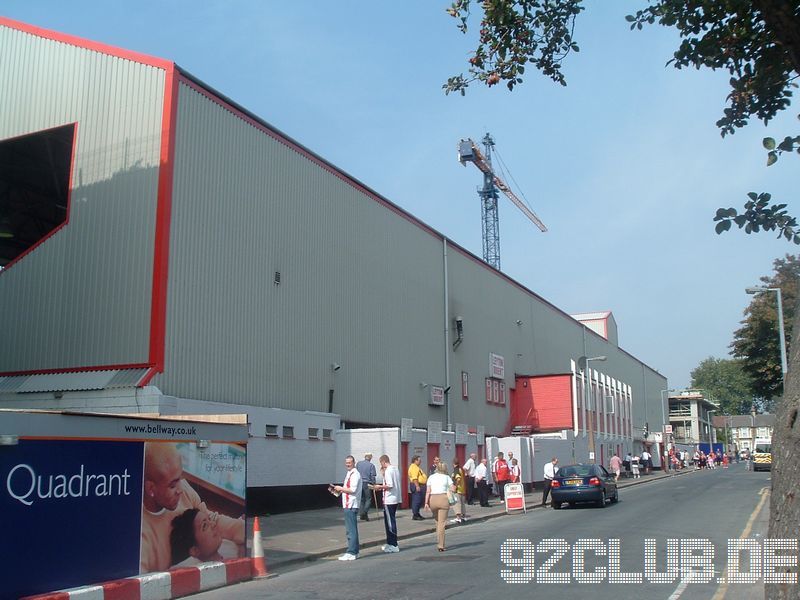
{"x": 391, "y": 498}
{"x": 550, "y": 470}
{"x": 351, "y": 495}
{"x": 481, "y": 473}
{"x": 469, "y": 471}
{"x": 646, "y": 458}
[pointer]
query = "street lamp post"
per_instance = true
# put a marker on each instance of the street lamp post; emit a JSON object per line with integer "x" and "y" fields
{"x": 664, "y": 436}
{"x": 587, "y": 384}
{"x": 781, "y": 334}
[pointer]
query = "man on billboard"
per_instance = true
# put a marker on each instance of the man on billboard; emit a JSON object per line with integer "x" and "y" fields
{"x": 166, "y": 495}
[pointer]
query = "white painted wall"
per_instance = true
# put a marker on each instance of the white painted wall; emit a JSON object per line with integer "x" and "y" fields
{"x": 360, "y": 441}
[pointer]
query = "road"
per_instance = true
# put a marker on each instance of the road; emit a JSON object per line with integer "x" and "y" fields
{"x": 701, "y": 511}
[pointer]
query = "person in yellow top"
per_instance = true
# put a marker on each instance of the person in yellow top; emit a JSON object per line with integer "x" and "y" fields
{"x": 416, "y": 483}
{"x": 460, "y": 480}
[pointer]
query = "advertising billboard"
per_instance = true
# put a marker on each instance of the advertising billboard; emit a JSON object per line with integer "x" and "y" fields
{"x": 105, "y": 504}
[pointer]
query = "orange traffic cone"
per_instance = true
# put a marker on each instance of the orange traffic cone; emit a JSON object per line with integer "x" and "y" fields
{"x": 259, "y": 564}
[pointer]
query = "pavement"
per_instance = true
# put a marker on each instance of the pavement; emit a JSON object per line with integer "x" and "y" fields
{"x": 293, "y": 538}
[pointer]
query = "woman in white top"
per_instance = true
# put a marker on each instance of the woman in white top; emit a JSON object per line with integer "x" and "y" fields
{"x": 436, "y": 499}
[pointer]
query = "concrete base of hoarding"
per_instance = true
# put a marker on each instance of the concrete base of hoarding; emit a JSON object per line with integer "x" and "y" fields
{"x": 161, "y": 586}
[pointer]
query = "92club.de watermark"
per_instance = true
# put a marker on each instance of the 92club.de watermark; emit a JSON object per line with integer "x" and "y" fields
{"x": 674, "y": 560}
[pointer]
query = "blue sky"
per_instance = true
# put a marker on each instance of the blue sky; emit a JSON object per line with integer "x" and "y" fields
{"x": 624, "y": 165}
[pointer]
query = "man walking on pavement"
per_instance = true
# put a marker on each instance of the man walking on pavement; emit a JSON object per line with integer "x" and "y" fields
{"x": 469, "y": 472}
{"x": 367, "y": 471}
{"x": 646, "y": 459}
{"x": 350, "y": 494}
{"x": 391, "y": 498}
{"x": 550, "y": 470}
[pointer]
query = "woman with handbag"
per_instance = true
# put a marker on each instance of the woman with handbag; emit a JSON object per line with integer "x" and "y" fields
{"x": 440, "y": 486}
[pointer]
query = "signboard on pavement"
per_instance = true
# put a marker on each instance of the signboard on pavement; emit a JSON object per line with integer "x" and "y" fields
{"x": 515, "y": 497}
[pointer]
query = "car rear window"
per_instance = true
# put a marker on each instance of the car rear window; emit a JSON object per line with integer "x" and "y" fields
{"x": 575, "y": 470}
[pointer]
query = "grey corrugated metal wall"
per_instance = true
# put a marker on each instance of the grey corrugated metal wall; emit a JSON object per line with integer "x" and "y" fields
{"x": 360, "y": 286}
{"x": 82, "y": 298}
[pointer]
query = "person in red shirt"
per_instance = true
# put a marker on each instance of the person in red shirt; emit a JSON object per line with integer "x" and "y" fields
{"x": 501, "y": 474}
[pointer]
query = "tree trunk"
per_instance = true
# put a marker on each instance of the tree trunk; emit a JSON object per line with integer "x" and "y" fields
{"x": 784, "y": 518}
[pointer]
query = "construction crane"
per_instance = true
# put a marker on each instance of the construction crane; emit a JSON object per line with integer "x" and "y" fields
{"x": 468, "y": 152}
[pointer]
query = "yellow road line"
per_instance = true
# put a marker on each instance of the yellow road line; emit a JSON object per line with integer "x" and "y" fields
{"x": 723, "y": 587}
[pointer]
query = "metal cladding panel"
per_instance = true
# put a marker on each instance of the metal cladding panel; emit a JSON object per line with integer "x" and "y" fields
{"x": 552, "y": 401}
{"x": 360, "y": 285}
{"x": 82, "y": 296}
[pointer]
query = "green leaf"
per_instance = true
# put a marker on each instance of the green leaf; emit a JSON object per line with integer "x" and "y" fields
{"x": 769, "y": 143}
{"x": 772, "y": 158}
{"x": 722, "y": 226}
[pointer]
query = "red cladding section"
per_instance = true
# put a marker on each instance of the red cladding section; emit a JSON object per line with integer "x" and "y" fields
{"x": 543, "y": 403}
{"x": 185, "y": 582}
{"x": 238, "y": 569}
{"x": 122, "y": 589}
{"x": 158, "y": 308}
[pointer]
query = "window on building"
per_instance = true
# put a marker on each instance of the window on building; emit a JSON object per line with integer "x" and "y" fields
{"x": 271, "y": 431}
{"x": 327, "y": 434}
{"x": 313, "y": 433}
{"x": 287, "y": 431}
{"x": 763, "y": 432}
{"x": 34, "y": 188}
{"x": 744, "y": 432}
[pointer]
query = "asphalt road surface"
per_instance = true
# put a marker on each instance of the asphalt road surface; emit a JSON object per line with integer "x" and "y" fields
{"x": 576, "y": 552}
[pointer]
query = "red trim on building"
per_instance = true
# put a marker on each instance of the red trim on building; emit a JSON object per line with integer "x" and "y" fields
{"x": 73, "y": 40}
{"x": 74, "y": 370}
{"x": 158, "y": 305}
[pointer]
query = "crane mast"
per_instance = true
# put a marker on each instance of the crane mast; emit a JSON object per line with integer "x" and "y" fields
{"x": 468, "y": 151}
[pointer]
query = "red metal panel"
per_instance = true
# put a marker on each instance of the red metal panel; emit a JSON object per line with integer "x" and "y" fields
{"x": 552, "y": 399}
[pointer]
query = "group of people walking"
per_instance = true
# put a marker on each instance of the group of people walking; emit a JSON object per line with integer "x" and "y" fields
{"x": 437, "y": 489}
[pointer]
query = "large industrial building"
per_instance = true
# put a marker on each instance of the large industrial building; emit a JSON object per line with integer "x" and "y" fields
{"x": 164, "y": 250}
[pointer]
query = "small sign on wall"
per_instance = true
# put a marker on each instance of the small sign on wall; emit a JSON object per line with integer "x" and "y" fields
{"x": 406, "y": 427}
{"x": 437, "y": 396}
{"x": 434, "y": 432}
{"x": 465, "y": 385}
{"x": 462, "y": 433}
{"x": 497, "y": 366}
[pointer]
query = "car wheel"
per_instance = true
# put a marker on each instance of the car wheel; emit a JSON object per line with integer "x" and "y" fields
{"x": 615, "y": 499}
{"x": 602, "y": 502}
{"x": 555, "y": 505}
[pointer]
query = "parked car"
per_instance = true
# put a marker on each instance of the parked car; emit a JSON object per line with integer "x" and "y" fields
{"x": 583, "y": 483}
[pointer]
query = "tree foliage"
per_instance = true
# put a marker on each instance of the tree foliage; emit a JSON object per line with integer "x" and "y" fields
{"x": 757, "y": 343}
{"x": 726, "y": 382}
{"x": 756, "y": 41}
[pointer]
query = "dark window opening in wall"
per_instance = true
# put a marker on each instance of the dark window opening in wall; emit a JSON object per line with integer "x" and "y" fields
{"x": 271, "y": 431}
{"x": 288, "y": 431}
{"x": 34, "y": 188}
{"x": 327, "y": 434}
